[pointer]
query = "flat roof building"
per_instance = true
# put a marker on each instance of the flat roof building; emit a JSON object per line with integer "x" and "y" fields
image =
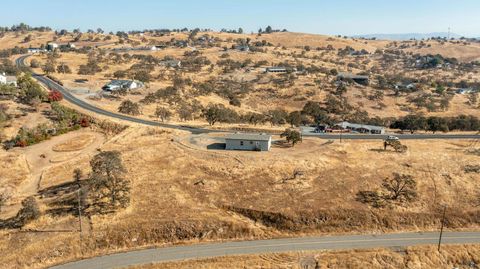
{"x": 52, "y": 46}
{"x": 361, "y": 128}
{"x": 360, "y": 79}
{"x": 279, "y": 69}
{"x": 249, "y": 142}
{"x": 115, "y": 85}
{"x": 8, "y": 80}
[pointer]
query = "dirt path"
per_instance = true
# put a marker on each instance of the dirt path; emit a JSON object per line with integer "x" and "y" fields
{"x": 39, "y": 158}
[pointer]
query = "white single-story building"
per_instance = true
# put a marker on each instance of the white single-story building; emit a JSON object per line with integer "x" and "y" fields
{"x": 276, "y": 69}
{"x": 251, "y": 142}
{"x": 122, "y": 84}
{"x": 8, "y": 80}
{"x": 361, "y": 128}
{"x": 36, "y": 50}
{"x": 52, "y": 46}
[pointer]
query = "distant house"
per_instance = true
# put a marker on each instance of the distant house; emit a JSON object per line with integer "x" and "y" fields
{"x": 181, "y": 43}
{"x": 116, "y": 85}
{"x": 361, "y": 128}
{"x": 402, "y": 86}
{"x": 52, "y": 46}
{"x": 244, "y": 48}
{"x": 171, "y": 63}
{"x": 279, "y": 69}
{"x": 67, "y": 46}
{"x": 466, "y": 91}
{"x": 360, "y": 79}
{"x": 251, "y": 142}
{"x": 156, "y": 47}
{"x": 8, "y": 80}
{"x": 36, "y": 50}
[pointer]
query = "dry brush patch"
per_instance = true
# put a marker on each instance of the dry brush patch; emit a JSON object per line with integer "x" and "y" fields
{"x": 78, "y": 143}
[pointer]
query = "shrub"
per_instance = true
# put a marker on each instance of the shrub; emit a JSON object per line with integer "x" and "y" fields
{"x": 84, "y": 122}
{"x": 55, "y": 96}
{"x": 129, "y": 107}
{"x": 370, "y": 197}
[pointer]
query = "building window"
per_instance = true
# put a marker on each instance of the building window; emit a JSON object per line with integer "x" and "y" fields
{"x": 251, "y": 142}
{"x": 241, "y": 143}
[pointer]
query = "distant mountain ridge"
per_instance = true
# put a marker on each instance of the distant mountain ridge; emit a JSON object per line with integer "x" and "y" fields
{"x": 408, "y": 36}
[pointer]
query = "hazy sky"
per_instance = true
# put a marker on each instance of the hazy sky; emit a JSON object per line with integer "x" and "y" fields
{"x": 346, "y": 17}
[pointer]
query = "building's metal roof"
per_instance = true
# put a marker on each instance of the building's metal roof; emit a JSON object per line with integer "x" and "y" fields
{"x": 276, "y": 68}
{"x": 253, "y": 137}
{"x": 119, "y": 82}
{"x": 347, "y": 124}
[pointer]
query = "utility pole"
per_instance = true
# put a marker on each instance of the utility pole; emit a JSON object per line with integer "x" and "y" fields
{"x": 441, "y": 228}
{"x": 80, "y": 216}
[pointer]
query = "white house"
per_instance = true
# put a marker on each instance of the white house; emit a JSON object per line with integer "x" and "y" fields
{"x": 276, "y": 69}
{"x": 3, "y": 79}
{"x": 36, "y": 50}
{"x": 115, "y": 85}
{"x": 52, "y": 46}
{"x": 8, "y": 80}
{"x": 249, "y": 142}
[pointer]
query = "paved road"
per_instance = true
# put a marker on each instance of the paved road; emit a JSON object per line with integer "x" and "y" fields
{"x": 401, "y": 136}
{"x": 72, "y": 99}
{"x": 177, "y": 253}
{"x": 80, "y": 103}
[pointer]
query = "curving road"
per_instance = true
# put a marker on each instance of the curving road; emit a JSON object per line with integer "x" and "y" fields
{"x": 50, "y": 84}
{"x": 72, "y": 99}
{"x": 177, "y": 253}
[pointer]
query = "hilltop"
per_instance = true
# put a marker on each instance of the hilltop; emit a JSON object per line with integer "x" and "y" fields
{"x": 409, "y": 36}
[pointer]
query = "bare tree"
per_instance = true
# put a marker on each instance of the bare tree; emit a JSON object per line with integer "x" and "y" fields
{"x": 400, "y": 187}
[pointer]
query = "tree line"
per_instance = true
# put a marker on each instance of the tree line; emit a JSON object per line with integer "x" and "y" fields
{"x": 435, "y": 124}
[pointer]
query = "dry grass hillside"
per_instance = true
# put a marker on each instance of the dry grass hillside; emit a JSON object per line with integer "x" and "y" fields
{"x": 182, "y": 192}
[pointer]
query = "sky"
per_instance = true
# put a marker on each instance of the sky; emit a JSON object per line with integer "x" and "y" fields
{"x": 345, "y": 17}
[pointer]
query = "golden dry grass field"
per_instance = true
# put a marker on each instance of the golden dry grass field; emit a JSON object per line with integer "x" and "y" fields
{"x": 183, "y": 192}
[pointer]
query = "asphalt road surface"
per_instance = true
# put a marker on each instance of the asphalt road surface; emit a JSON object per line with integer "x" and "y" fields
{"x": 80, "y": 103}
{"x": 198, "y": 251}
